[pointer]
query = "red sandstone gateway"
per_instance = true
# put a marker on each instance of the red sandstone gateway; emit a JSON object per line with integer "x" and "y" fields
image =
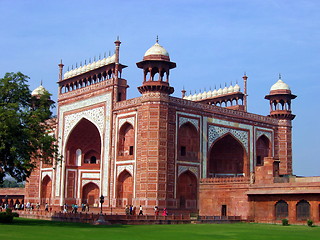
{"x": 201, "y": 153}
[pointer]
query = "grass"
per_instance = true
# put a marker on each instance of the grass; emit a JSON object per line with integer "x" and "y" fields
{"x": 24, "y": 229}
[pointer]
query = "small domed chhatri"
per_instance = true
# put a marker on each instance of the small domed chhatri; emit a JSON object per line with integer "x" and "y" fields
{"x": 39, "y": 91}
{"x": 156, "y": 52}
{"x": 280, "y": 85}
{"x": 156, "y": 49}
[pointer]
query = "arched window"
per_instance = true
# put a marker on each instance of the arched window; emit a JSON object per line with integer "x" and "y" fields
{"x": 281, "y": 209}
{"x": 303, "y": 210}
{"x": 262, "y": 149}
{"x": 91, "y": 157}
{"x": 126, "y": 140}
{"x": 188, "y": 143}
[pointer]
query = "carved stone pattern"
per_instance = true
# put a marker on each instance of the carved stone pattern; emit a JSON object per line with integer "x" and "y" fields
{"x": 183, "y": 120}
{"x": 95, "y": 115}
{"x": 129, "y": 168}
{"x": 43, "y": 174}
{"x": 91, "y": 175}
{"x": 267, "y": 134}
{"x": 123, "y": 120}
{"x": 85, "y": 181}
{"x": 128, "y": 103}
{"x": 215, "y": 132}
{"x": 224, "y": 111}
{"x": 182, "y": 169}
{"x": 86, "y": 89}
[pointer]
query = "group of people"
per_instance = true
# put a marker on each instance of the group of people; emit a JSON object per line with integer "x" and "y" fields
{"x": 131, "y": 210}
{"x": 28, "y": 206}
{"x": 74, "y": 208}
{"x": 164, "y": 211}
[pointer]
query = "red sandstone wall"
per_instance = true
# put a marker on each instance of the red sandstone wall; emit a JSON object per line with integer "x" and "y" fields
{"x": 32, "y": 187}
{"x": 213, "y": 196}
{"x": 263, "y": 207}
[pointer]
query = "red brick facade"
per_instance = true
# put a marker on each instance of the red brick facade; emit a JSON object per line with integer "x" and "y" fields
{"x": 202, "y": 153}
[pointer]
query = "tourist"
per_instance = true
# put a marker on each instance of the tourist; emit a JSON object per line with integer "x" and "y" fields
{"x": 156, "y": 210}
{"x": 165, "y": 212}
{"x": 38, "y": 206}
{"x": 73, "y": 208}
{"x": 65, "y": 208}
{"x": 87, "y": 207}
{"x": 127, "y": 210}
{"x": 46, "y": 207}
{"x": 76, "y": 208}
{"x": 131, "y": 210}
{"x": 83, "y": 207}
{"x": 28, "y": 206}
{"x": 140, "y": 210}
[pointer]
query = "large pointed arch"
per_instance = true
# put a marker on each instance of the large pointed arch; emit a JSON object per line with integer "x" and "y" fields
{"x": 187, "y": 190}
{"x": 124, "y": 189}
{"x": 90, "y": 194}
{"x": 188, "y": 143}
{"x": 84, "y": 136}
{"x": 227, "y": 157}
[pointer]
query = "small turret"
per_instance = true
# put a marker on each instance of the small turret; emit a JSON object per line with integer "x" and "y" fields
{"x": 156, "y": 62}
{"x": 280, "y": 100}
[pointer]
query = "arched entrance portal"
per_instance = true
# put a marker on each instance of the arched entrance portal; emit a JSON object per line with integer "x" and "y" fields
{"x": 46, "y": 189}
{"x": 124, "y": 189}
{"x": 227, "y": 158}
{"x": 187, "y": 190}
{"x": 90, "y": 194}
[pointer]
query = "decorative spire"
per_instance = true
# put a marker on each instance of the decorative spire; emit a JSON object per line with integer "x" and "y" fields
{"x": 41, "y": 82}
{"x": 157, "y": 41}
{"x": 279, "y": 75}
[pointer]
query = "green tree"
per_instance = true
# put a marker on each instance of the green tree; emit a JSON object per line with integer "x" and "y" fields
{"x": 26, "y": 135}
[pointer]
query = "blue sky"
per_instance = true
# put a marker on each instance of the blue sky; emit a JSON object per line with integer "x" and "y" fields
{"x": 213, "y": 42}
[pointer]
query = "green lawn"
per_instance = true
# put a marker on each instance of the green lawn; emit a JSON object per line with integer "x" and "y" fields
{"x": 37, "y": 229}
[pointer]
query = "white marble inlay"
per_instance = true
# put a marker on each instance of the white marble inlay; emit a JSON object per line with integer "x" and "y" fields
{"x": 216, "y": 131}
{"x": 194, "y": 122}
{"x": 194, "y": 170}
{"x": 121, "y": 168}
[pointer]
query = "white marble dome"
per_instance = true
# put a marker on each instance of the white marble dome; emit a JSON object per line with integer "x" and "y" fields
{"x": 236, "y": 88}
{"x": 230, "y": 89}
{"x": 156, "y": 49}
{"x": 280, "y": 85}
{"x": 225, "y": 90}
{"x": 39, "y": 91}
{"x": 204, "y": 95}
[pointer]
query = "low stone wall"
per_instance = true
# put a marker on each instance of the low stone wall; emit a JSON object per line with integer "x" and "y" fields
{"x": 92, "y": 218}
